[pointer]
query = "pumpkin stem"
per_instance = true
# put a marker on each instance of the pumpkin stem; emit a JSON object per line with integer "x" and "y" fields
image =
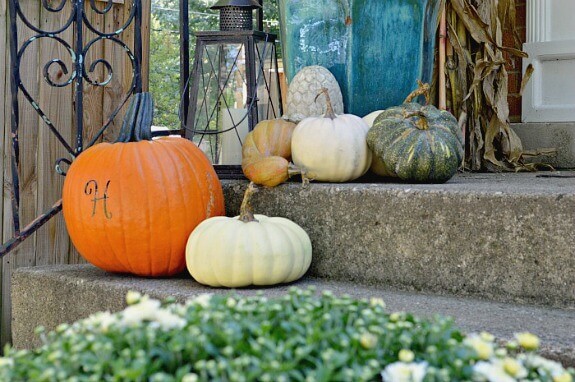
{"x": 422, "y": 89}
{"x": 305, "y": 177}
{"x": 329, "y": 110}
{"x": 246, "y": 213}
{"x": 293, "y": 170}
{"x": 421, "y": 123}
{"x": 137, "y": 124}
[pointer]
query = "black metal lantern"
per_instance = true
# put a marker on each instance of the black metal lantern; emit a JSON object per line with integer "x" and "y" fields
{"x": 236, "y": 14}
{"x": 234, "y": 84}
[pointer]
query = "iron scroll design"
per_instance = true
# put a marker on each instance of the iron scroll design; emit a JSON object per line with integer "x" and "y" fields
{"x": 76, "y": 75}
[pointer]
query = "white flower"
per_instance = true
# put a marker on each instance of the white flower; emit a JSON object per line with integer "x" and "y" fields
{"x": 493, "y": 372}
{"x": 231, "y": 302}
{"x": 487, "y": 337}
{"x": 542, "y": 365}
{"x": 376, "y": 301}
{"x": 406, "y": 355}
{"x": 6, "y": 362}
{"x": 144, "y": 310}
{"x": 565, "y": 377}
{"x": 527, "y": 340}
{"x": 368, "y": 340}
{"x": 202, "y": 299}
{"x": 133, "y": 297}
{"x": 102, "y": 320}
{"x": 483, "y": 348}
{"x": 190, "y": 377}
{"x": 169, "y": 320}
{"x": 404, "y": 372}
{"x": 513, "y": 367}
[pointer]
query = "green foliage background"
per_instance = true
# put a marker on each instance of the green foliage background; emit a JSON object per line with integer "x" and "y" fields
{"x": 165, "y": 49}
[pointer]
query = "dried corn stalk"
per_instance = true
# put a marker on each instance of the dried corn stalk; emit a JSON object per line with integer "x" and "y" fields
{"x": 477, "y": 82}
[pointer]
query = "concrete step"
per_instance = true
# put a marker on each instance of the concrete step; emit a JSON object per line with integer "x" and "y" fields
{"x": 507, "y": 237}
{"x": 51, "y": 295}
{"x": 558, "y": 135}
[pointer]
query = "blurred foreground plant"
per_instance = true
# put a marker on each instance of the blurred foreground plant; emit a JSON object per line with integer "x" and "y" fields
{"x": 298, "y": 337}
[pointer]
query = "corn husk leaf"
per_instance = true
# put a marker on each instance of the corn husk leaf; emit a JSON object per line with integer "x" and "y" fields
{"x": 477, "y": 80}
{"x": 526, "y": 77}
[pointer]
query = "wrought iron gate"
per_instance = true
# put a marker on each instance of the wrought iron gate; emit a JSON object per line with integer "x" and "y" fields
{"x": 79, "y": 76}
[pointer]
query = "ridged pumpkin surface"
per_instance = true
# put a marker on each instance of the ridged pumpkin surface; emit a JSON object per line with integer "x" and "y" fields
{"x": 229, "y": 252}
{"x": 130, "y": 207}
{"x": 417, "y": 143}
{"x": 266, "y": 152}
{"x": 377, "y": 165}
{"x": 331, "y": 150}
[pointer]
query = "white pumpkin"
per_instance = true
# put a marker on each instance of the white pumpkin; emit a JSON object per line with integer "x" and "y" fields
{"x": 370, "y": 118}
{"x": 377, "y": 165}
{"x": 247, "y": 250}
{"x": 331, "y": 148}
{"x": 303, "y": 89}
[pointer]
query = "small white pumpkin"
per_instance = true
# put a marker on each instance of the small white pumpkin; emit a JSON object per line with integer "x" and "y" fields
{"x": 304, "y": 87}
{"x": 377, "y": 165}
{"x": 247, "y": 250}
{"x": 331, "y": 148}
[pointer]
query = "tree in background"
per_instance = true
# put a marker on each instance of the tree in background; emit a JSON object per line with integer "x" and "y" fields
{"x": 165, "y": 50}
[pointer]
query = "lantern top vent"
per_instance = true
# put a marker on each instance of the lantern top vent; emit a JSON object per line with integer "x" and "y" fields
{"x": 252, "y": 4}
{"x": 236, "y": 15}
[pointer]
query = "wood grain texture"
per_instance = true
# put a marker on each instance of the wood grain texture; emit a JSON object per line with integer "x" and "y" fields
{"x": 40, "y": 186}
{"x": 52, "y": 242}
{"x": 93, "y": 95}
{"x": 23, "y": 255}
{"x": 115, "y": 55}
{"x": 4, "y": 136}
{"x": 146, "y": 22}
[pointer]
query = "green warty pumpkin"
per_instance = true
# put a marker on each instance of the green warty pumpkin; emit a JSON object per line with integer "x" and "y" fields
{"x": 417, "y": 143}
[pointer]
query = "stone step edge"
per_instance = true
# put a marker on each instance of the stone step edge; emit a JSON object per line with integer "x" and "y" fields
{"x": 495, "y": 236}
{"x": 50, "y": 295}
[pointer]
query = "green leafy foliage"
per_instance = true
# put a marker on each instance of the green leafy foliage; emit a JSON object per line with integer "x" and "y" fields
{"x": 298, "y": 337}
{"x": 165, "y": 49}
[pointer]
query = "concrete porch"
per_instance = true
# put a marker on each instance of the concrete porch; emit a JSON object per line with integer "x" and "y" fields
{"x": 495, "y": 251}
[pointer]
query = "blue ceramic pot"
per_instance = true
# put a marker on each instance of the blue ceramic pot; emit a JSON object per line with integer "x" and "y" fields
{"x": 376, "y": 49}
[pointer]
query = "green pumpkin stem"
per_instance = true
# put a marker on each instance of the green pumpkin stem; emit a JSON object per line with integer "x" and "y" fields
{"x": 246, "y": 213}
{"x": 329, "y": 113}
{"x": 137, "y": 124}
{"x": 421, "y": 123}
{"x": 422, "y": 89}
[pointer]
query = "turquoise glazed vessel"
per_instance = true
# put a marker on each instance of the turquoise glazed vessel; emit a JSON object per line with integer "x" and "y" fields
{"x": 376, "y": 49}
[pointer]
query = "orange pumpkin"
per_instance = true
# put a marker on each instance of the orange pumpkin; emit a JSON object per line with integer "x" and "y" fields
{"x": 130, "y": 206}
{"x": 266, "y": 152}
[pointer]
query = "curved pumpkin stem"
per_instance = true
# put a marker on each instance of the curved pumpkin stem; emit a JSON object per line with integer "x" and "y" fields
{"x": 421, "y": 123}
{"x": 137, "y": 124}
{"x": 246, "y": 213}
{"x": 329, "y": 113}
{"x": 422, "y": 89}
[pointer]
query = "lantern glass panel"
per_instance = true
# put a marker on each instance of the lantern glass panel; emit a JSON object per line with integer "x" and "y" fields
{"x": 235, "y": 84}
{"x": 221, "y": 119}
{"x": 267, "y": 81}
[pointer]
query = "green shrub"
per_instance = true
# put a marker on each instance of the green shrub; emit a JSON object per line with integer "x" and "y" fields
{"x": 298, "y": 337}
